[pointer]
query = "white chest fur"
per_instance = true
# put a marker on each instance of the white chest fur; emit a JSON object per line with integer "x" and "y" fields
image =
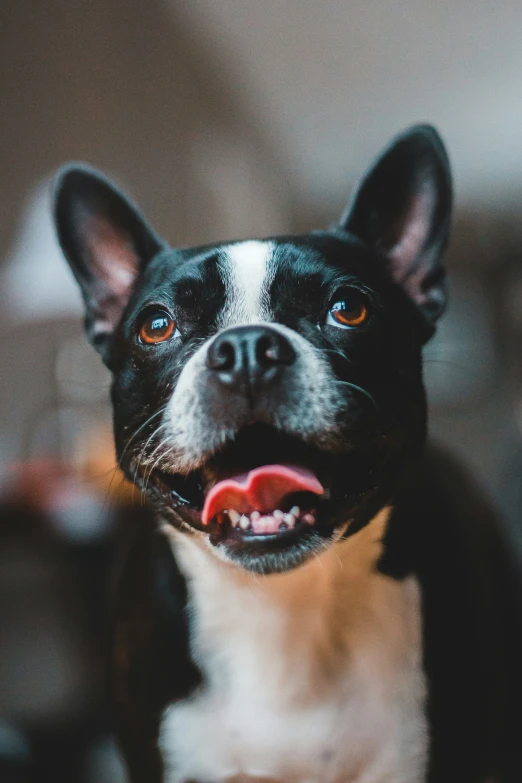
{"x": 313, "y": 676}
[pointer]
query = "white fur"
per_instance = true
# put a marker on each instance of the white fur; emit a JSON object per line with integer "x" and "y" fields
{"x": 313, "y": 676}
{"x": 248, "y": 273}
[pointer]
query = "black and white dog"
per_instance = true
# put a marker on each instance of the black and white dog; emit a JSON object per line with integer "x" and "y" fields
{"x": 319, "y": 602}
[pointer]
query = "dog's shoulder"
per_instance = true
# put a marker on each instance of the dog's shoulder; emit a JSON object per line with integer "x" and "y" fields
{"x": 464, "y": 556}
{"x": 150, "y": 661}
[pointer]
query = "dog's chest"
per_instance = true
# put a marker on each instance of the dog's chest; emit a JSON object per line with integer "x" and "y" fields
{"x": 309, "y": 677}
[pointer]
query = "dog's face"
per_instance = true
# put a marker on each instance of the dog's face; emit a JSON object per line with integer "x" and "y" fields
{"x": 268, "y": 394}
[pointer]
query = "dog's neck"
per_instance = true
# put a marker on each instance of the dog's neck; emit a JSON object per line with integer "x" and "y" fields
{"x": 303, "y": 607}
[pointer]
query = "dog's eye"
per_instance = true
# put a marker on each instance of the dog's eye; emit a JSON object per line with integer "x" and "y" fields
{"x": 352, "y": 310}
{"x": 157, "y": 327}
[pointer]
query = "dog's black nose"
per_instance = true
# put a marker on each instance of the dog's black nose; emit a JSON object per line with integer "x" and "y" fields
{"x": 247, "y": 357}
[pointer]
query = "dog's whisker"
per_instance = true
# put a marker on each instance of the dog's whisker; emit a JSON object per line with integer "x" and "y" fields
{"x": 145, "y": 423}
{"x": 141, "y": 427}
{"x": 361, "y": 390}
{"x": 150, "y": 458}
{"x": 154, "y": 466}
{"x": 339, "y": 354}
{"x": 139, "y": 460}
{"x": 107, "y": 499}
{"x": 151, "y": 462}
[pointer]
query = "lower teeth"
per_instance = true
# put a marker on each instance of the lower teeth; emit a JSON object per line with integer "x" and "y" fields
{"x": 249, "y": 522}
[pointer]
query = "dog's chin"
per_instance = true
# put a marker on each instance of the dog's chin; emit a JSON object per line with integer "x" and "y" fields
{"x": 231, "y": 501}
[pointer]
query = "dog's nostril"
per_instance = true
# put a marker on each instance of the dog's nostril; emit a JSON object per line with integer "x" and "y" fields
{"x": 225, "y": 357}
{"x": 222, "y": 356}
{"x": 274, "y": 349}
{"x": 265, "y": 351}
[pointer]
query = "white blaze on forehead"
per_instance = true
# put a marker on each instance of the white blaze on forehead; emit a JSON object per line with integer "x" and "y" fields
{"x": 248, "y": 271}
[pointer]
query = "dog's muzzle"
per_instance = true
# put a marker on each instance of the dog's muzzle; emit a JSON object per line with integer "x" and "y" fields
{"x": 247, "y": 359}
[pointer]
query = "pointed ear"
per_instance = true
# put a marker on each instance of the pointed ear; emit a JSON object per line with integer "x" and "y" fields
{"x": 402, "y": 210}
{"x": 107, "y": 243}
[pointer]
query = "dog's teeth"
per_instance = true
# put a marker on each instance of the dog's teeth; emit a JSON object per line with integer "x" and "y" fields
{"x": 309, "y": 518}
{"x": 289, "y": 519}
{"x": 295, "y": 511}
{"x": 255, "y": 515}
{"x": 234, "y": 516}
{"x": 278, "y": 514}
{"x": 244, "y": 522}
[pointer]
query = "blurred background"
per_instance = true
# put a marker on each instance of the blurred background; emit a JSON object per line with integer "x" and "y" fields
{"x": 224, "y": 119}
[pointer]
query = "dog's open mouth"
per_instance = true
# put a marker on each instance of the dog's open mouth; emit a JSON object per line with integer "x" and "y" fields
{"x": 264, "y": 500}
{"x": 263, "y": 485}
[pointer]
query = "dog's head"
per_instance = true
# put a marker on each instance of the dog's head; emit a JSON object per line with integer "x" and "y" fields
{"x": 268, "y": 394}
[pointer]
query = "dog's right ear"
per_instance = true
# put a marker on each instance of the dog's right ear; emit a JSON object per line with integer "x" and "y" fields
{"x": 106, "y": 241}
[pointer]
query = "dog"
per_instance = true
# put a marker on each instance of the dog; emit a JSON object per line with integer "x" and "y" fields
{"x": 320, "y": 600}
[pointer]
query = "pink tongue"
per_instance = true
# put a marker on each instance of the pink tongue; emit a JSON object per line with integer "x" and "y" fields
{"x": 262, "y": 490}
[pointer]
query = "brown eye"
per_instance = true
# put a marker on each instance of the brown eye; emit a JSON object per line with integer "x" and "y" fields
{"x": 157, "y": 327}
{"x": 352, "y": 310}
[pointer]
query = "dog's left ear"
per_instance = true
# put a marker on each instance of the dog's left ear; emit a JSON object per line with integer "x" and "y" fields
{"x": 402, "y": 211}
{"x": 107, "y": 243}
